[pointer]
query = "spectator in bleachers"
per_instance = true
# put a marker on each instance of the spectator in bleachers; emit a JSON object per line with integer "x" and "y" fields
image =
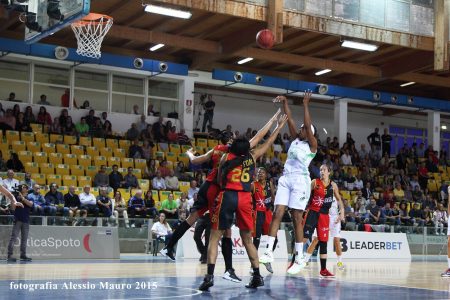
{"x": 147, "y": 150}
{"x": 135, "y": 110}
{"x": 120, "y": 208}
{"x": 135, "y": 150}
{"x": 405, "y": 219}
{"x": 101, "y": 179}
{"x": 183, "y": 139}
{"x": 346, "y": 159}
{"x": 165, "y": 171}
{"x": 358, "y": 184}
{"x": 363, "y": 152}
{"x": 55, "y": 198}
{"x": 408, "y": 194}
{"x": 169, "y": 207}
{"x": 374, "y": 212}
{"x": 11, "y": 97}
{"x": 158, "y": 130}
{"x": 193, "y": 189}
{"x": 90, "y": 119}
{"x": 130, "y": 180}
{"x": 276, "y": 158}
{"x": 367, "y": 191}
{"x": 28, "y": 181}
{"x": 116, "y": 178}
{"x": 428, "y": 215}
{"x": 104, "y": 117}
{"x": 417, "y": 216}
{"x": 162, "y": 229}
{"x": 72, "y": 202}
{"x": 14, "y": 163}
{"x": 440, "y": 218}
{"x": 44, "y": 117}
{"x": 88, "y": 202}
{"x": 390, "y": 216}
{"x": 133, "y": 132}
{"x": 82, "y": 128}
{"x": 2, "y": 162}
{"x": 401, "y": 159}
{"x": 104, "y": 202}
{"x": 97, "y": 130}
{"x": 40, "y": 206}
{"x": 180, "y": 170}
{"x": 150, "y": 169}
{"x": 151, "y": 111}
{"x": 43, "y": 100}
{"x": 107, "y": 129}
{"x": 423, "y": 176}
{"x": 65, "y": 99}
{"x": 10, "y": 182}
{"x": 158, "y": 183}
{"x": 171, "y": 181}
{"x": 431, "y": 203}
{"x": 150, "y": 205}
{"x": 29, "y": 116}
{"x": 421, "y": 150}
{"x": 147, "y": 134}
{"x": 56, "y": 127}
{"x": 63, "y": 119}
{"x": 142, "y": 124}
{"x": 86, "y": 105}
{"x": 16, "y": 110}
{"x": 386, "y": 140}
{"x": 374, "y": 157}
{"x": 374, "y": 139}
{"x": 69, "y": 129}
{"x": 208, "y": 115}
{"x": 21, "y": 123}
{"x": 166, "y": 130}
{"x": 181, "y": 219}
{"x": 8, "y": 121}
{"x": 182, "y": 203}
{"x": 360, "y": 210}
{"x": 136, "y": 206}
{"x": 172, "y": 135}
{"x": 399, "y": 193}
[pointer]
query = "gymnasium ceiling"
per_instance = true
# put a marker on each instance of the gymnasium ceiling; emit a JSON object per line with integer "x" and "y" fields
{"x": 221, "y": 32}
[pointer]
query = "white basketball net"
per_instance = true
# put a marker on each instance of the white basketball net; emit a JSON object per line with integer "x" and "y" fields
{"x": 90, "y": 33}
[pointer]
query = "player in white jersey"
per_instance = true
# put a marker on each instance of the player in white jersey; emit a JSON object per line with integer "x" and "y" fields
{"x": 447, "y": 272}
{"x": 294, "y": 187}
{"x": 335, "y": 232}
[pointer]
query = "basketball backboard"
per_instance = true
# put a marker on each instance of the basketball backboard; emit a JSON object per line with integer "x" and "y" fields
{"x": 45, "y": 17}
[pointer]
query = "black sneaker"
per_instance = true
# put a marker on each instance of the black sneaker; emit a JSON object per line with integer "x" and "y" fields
{"x": 268, "y": 267}
{"x": 255, "y": 282}
{"x": 25, "y": 258}
{"x": 168, "y": 253}
{"x": 231, "y": 276}
{"x": 208, "y": 282}
{"x": 11, "y": 259}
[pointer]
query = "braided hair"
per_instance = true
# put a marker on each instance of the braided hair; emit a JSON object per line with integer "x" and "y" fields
{"x": 240, "y": 147}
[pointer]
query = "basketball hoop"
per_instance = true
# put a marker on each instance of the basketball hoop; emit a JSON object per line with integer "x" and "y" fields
{"x": 90, "y": 32}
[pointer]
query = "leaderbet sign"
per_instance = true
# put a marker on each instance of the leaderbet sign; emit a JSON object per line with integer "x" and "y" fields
{"x": 372, "y": 245}
{"x": 47, "y": 242}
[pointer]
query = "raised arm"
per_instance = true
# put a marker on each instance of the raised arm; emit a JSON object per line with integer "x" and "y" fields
{"x": 198, "y": 160}
{"x": 291, "y": 123}
{"x": 10, "y": 196}
{"x": 263, "y": 131}
{"x": 307, "y": 123}
{"x": 339, "y": 200}
{"x": 219, "y": 169}
{"x": 258, "y": 152}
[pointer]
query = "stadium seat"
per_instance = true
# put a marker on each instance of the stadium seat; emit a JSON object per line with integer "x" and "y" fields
{"x": 125, "y": 194}
{"x": 77, "y": 150}
{"x": 19, "y": 176}
{"x": 31, "y": 167}
{"x": 25, "y": 156}
{"x": 12, "y": 135}
{"x": 212, "y": 143}
{"x": 54, "y": 178}
{"x": 163, "y": 195}
{"x": 159, "y": 155}
{"x": 41, "y": 137}
{"x": 36, "y": 128}
{"x": 85, "y": 141}
{"x": 170, "y": 156}
{"x": 112, "y": 143}
{"x": 92, "y": 151}
{"x": 4, "y": 147}
{"x": 100, "y": 160}
{"x": 62, "y": 169}
{"x": 39, "y": 178}
{"x": 95, "y": 191}
{"x": 91, "y": 170}
{"x": 144, "y": 184}
{"x": 201, "y": 143}
{"x": 34, "y": 146}
{"x": 47, "y": 168}
{"x": 119, "y": 152}
{"x": 177, "y": 195}
{"x": 184, "y": 186}
{"x": 48, "y": 148}
{"x": 137, "y": 173}
{"x": 200, "y": 150}
{"x": 175, "y": 148}
{"x": 56, "y": 138}
{"x": 106, "y": 152}
{"x": 40, "y": 157}
{"x": 184, "y": 158}
{"x": 63, "y": 189}
{"x": 55, "y": 158}
{"x": 77, "y": 170}
{"x": 155, "y": 195}
{"x": 123, "y": 171}
{"x": 98, "y": 142}
{"x": 84, "y": 160}
{"x": 63, "y": 148}
{"x": 27, "y": 136}
{"x": 113, "y": 161}
{"x": 70, "y": 140}
{"x": 163, "y": 147}
{"x": 17, "y": 146}
{"x": 127, "y": 162}
{"x": 84, "y": 180}
{"x": 124, "y": 144}
{"x": 70, "y": 159}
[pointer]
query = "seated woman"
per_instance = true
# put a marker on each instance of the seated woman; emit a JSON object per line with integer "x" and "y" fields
{"x": 162, "y": 229}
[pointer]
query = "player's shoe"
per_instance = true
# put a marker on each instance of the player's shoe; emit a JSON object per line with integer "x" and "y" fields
{"x": 296, "y": 266}
{"x": 231, "y": 276}
{"x": 267, "y": 257}
{"x": 341, "y": 266}
{"x": 208, "y": 282}
{"x": 255, "y": 282}
{"x": 251, "y": 271}
{"x": 268, "y": 267}
{"x": 326, "y": 274}
{"x": 446, "y": 273}
{"x": 167, "y": 253}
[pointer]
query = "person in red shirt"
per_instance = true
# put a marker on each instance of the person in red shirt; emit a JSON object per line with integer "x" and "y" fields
{"x": 44, "y": 117}
{"x": 65, "y": 99}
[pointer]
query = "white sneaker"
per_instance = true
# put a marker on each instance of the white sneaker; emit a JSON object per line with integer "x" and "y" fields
{"x": 251, "y": 271}
{"x": 296, "y": 267}
{"x": 267, "y": 257}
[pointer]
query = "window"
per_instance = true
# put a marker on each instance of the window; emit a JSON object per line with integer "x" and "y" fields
{"x": 163, "y": 95}
{"x": 51, "y": 82}
{"x": 92, "y": 87}
{"x": 14, "y": 78}
{"x": 127, "y": 92}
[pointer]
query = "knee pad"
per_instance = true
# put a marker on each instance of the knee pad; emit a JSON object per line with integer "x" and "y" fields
{"x": 323, "y": 247}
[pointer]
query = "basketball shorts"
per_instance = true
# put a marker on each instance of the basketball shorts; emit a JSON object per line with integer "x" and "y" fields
{"x": 315, "y": 220}
{"x": 259, "y": 218}
{"x": 448, "y": 227}
{"x": 293, "y": 191}
{"x": 335, "y": 229}
{"x": 229, "y": 203}
{"x": 267, "y": 221}
{"x": 205, "y": 198}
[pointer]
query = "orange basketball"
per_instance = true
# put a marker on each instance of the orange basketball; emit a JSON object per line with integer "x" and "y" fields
{"x": 265, "y": 39}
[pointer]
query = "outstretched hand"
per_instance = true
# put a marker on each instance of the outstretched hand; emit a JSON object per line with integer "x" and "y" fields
{"x": 275, "y": 116}
{"x": 280, "y": 99}
{"x": 282, "y": 120}
{"x": 307, "y": 97}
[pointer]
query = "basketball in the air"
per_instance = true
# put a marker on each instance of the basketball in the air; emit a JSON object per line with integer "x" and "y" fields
{"x": 265, "y": 39}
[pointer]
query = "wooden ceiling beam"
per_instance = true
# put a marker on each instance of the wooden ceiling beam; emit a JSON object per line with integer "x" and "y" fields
{"x": 406, "y": 64}
{"x": 311, "y": 23}
{"x": 275, "y": 19}
{"x": 441, "y": 55}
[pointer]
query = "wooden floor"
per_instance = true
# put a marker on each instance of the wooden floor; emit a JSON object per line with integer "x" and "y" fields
{"x": 360, "y": 280}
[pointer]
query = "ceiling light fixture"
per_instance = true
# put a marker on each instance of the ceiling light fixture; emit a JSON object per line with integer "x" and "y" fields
{"x": 407, "y": 83}
{"x": 156, "y": 47}
{"x": 245, "y": 60}
{"x": 444, "y": 127}
{"x": 359, "y": 45}
{"x": 321, "y": 72}
{"x": 168, "y": 11}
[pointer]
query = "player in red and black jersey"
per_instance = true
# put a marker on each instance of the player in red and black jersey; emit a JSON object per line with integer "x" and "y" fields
{"x": 235, "y": 174}
{"x": 206, "y": 195}
{"x": 317, "y": 218}
{"x": 263, "y": 196}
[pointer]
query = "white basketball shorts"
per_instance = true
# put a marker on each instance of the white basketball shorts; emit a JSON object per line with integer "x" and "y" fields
{"x": 293, "y": 191}
{"x": 335, "y": 229}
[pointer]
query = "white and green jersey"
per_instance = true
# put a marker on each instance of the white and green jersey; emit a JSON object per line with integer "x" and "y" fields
{"x": 334, "y": 209}
{"x": 299, "y": 157}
